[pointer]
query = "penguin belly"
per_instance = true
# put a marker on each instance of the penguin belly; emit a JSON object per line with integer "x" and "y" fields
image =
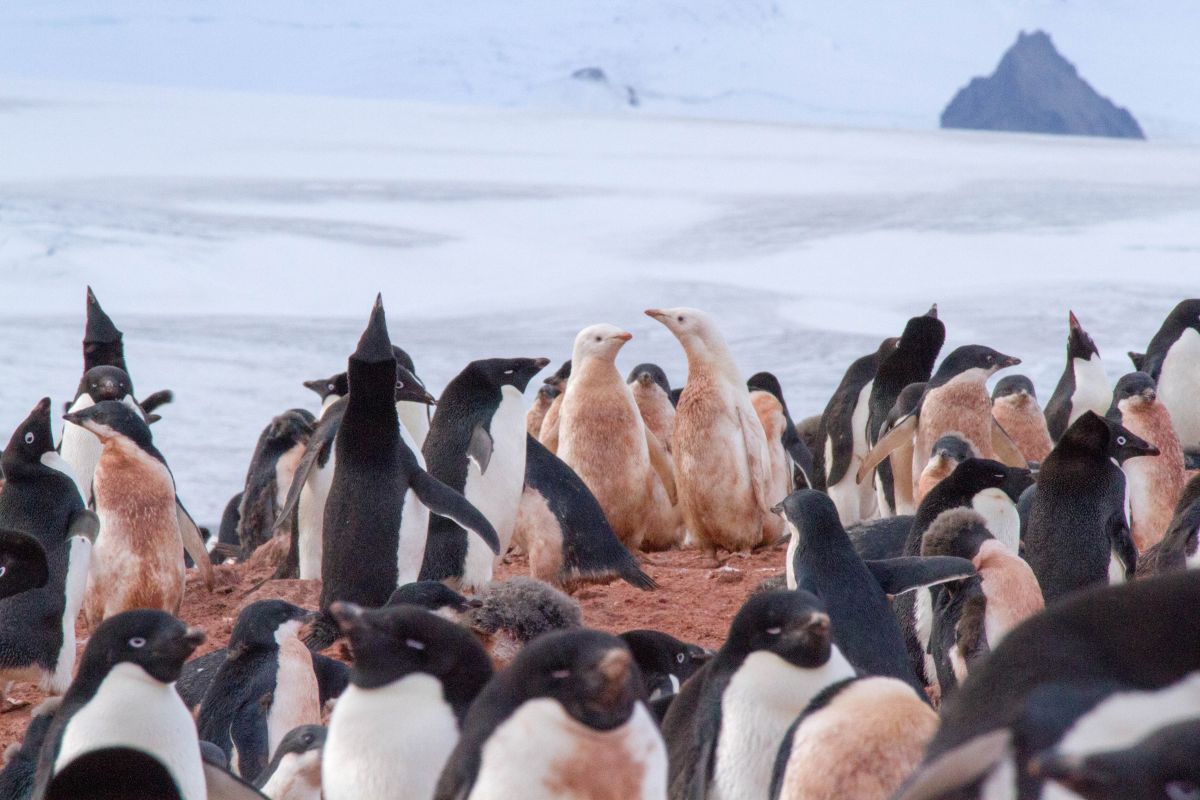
{"x": 1179, "y": 386}
{"x": 855, "y": 502}
{"x": 296, "y": 699}
{"x": 131, "y": 709}
{"x": 367, "y": 756}
{"x": 79, "y": 559}
{"x": 310, "y": 517}
{"x": 414, "y": 524}
{"x": 285, "y": 471}
{"x": 1092, "y": 389}
{"x": 414, "y": 418}
{"x": 81, "y": 449}
{"x": 542, "y": 753}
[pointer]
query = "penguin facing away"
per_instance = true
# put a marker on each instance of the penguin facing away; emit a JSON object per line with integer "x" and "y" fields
{"x": 1083, "y": 385}
{"x": 276, "y": 457}
{"x": 1173, "y": 360}
{"x": 1015, "y": 407}
{"x": 566, "y": 719}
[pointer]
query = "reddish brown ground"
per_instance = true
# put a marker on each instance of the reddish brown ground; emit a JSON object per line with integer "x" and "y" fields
{"x": 694, "y": 602}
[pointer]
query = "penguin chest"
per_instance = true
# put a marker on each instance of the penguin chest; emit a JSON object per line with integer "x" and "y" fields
{"x": 496, "y": 491}
{"x": 81, "y": 449}
{"x": 1000, "y": 513}
{"x": 414, "y": 522}
{"x": 541, "y": 752}
{"x": 961, "y": 407}
{"x": 310, "y": 519}
{"x": 1010, "y": 587}
{"x": 1179, "y": 386}
{"x": 394, "y": 738}
{"x": 1092, "y": 390}
{"x": 296, "y": 700}
{"x": 285, "y": 470}
{"x": 131, "y": 709}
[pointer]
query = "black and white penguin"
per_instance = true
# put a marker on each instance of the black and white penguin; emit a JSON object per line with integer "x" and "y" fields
{"x": 266, "y": 687}
{"x": 1074, "y": 668}
{"x": 844, "y": 443}
{"x": 137, "y": 561}
{"x": 821, "y": 560}
{"x": 1078, "y": 532}
{"x": 367, "y": 549}
{"x": 476, "y": 446}
{"x": 295, "y": 770}
{"x": 1083, "y": 385}
{"x": 563, "y": 530}
{"x": 41, "y": 499}
{"x": 566, "y": 719}
{"x": 276, "y": 458}
{"x": 513, "y": 612}
{"x": 797, "y": 450}
{"x": 664, "y": 661}
{"x": 23, "y": 564}
{"x": 433, "y": 596}
{"x": 860, "y": 738}
{"x": 726, "y": 725}
{"x": 330, "y": 390}
{"x": 652, "y": 393}
{"x": 1173, "y": 360}
{"x": 122, "y": 697}
{"x": 397, "y": 723}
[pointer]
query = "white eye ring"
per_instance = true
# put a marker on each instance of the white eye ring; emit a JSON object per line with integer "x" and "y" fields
{"x": 399, "y": 384}
{"x": 679, "y": 657}
{"x": 560, "y": 674}
{"x": 29, "y": 437}
{"x": 774, "y": 631}
{"x": 3, "y": 570}
{"x": 414, "y": 644}
{"x": 1120, "y": 440}
{"x": 137, "y": 642}
{"x": 331, "y": 387}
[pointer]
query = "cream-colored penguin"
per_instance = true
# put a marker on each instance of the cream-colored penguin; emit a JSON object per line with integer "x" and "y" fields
{"x": 722, "y": 463}
{"x": 779, "y": 480}
{"x": 602, "y": 437}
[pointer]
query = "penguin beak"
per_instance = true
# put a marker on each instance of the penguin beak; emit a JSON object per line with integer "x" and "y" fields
{"x": 644, "y": 379}
{"x": 656, "y": 313}
{"x": 1150, "y": 394}
{"x": 541, "y": 363}
{"x": 777, "y": 509}
{"x": 623, "y": 336}
{"x": 1004, "y": 362}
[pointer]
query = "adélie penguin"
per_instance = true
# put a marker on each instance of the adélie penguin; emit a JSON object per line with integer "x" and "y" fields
{"x": 1179, "y": 548}
{"x": 373, "y": 539}
{"x": 664, "y": 661}
{"x": 23, "y": 564}
{"x": 122, "y": 697}
{"x": 277, "y": 455}
{"x": 476, "y": 446}
{"x": 1083, "y": 385}
{"x": 41, "y": 499}
{"x": 1173, "y": 360}
{"x": 566, "y": 719}
{"x": 398, "y": 722}
{"x": 295, "y": 770}
{"x": 724, "y": 728}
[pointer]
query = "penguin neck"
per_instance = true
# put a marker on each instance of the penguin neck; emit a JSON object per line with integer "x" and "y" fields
{"x": 711, "y": 356}
{"x": 592, "y": 371}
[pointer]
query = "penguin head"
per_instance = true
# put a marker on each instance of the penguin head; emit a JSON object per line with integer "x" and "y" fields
{"x": 409, "y": 388}
{"x": 153, "y": 640}
{"x": 647, "y": 375}
{"x": 1094, "y": 434}
{"x": 432, "y": 596}
{"x": 404, "y": 359}
{"x": 292, "y": 425}
{"x": 546, "y": 393}
{"x": 660, "y": 656}
{"x": 957, "y": 532}
{"x": 791, "y": 624}
{"x": 32, "y": 438}
{"x": 302, "y": 739}
{"x": 1018, "y": 388}
{"x": 1079, "y": 343}
{"x": 952, "y": 448}
{"x": 1133, "y": 392}
{"x": 559, "y": 379}
{"x": 601, "y": 341}
{"x": 374, "y": 346}
{"x": 265, "y": 623}
{"x": 107, "y": 383}
{"x": 102, "y": 344}
{"x": 812, "y": 516}
{"x": 395, "y": 641}
{"x": 691, "y": 326}
{"x": 973, "y": 362}
{"x": 971, "y": 477}
{"x": 515, "y": 372}
{"x": 335, "y": 385}
{"x": 1185, "y": 315}
{"x": 1124, "y": 444}
{"x": 23, "y": 563}
{"x": 112, "y": 419}
{"x": 592, "y": 675}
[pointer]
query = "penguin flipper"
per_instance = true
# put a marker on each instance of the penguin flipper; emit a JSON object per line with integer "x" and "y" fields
{"x": 909, "y": 573}
{"x": 445, "y": 502}
{"x": 224, "y": 785}
{"x": 159, "y": 398}
{"x": 250, "y": 737}
{"x": 480, "y": 447}
{"x": 1005, "y": 448}
{"x": 332, "y": 677}
{"x": 85, "y": 523}
{"x": 757, "y": 457}
{"x": 902, "y": 433}
{"x": 193, "y": 543}
{"x": 661, "y": 461}
{"x": 1121, "y": 540}
{"x": 957, "y": 768}
{"x": 691, "y": 727}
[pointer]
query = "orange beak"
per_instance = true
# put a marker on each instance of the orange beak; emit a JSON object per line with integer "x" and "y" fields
{"x": 623, "y": 336}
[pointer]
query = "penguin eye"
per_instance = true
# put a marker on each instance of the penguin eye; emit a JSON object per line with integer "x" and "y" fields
{"x": 331, "y": 387}
{"x": 679, "y": 658}
{"x": 137, "y": 643}
{"x": 29, "y": 437}
{"x": 3, "y": 570}
{"x": 599, "y": 338}
{"x": 679, "y": 319}
{"x": 399, "y": 384}
{"x": 774, "y": 631}
{"x": 560, "y": 674}
{"x": 414, "y": 644}
{"x": 1121, "y": 440}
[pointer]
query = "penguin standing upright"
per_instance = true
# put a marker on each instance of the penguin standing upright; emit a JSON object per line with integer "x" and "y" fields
{"x": 799, "y": 453}
{"x": 537, "y": 412}
{"x": 39, "y": 499}
{"x": 1156, "y": 482}
{"x": 476, "y": 446}
{"x": 548, "y": 434}
{"x": 566, "y": 719}
{"x": 330, "y": 390}
{"x": 367, "y": 547}
{"x": 123, "y": 697}
{"x": 1083, "y": 385}
{"x": 948, "y": 452}
{"x": 1173, "y": 360}
{"x": 395, "y": 726}
{"x": 276, "y": 457}
{"x": 780, "y": 474}
{"x": 652, "y": 393}
{"x": 1015, "y": 407}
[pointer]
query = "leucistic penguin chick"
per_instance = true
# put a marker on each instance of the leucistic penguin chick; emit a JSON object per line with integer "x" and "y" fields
{"x": 1015, "y": 407}
{"x": 537, "y": 412}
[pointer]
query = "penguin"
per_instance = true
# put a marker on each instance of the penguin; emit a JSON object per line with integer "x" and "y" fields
{"x": 295, "y": 770}
{"x": 910, "y": 362}
{"x": 413, "y": 410}
{"x": 721, "y": 455}
{"x": 726, "y": 725}
{"x": 277, "y": 454}
{"x": 1179, "y": 549}
{"x": 122, "y": 697}
{"x": 799, "y": 454}
{"x": 537, "y": 412}
{"x": 266, "y": 687}
{"x": 511, "y": 613}
{"x": 823, "y": 561}
{"x": 1078, "y": 532}
{"x": 1078, "y": 649}
{"x": 563, "y": 530}
{"x": 1154, "y": 484}
{"x": 548, "y": 435}
{"x": 601, "y": 436}
{"x": 398, "y": 722}
{"x": 780, "y": 474}
{"x": 23, "y": 563}
{"x": 42, "y": 500}
{"x": 1083, "y": 385}
{"x": 226, "y": 543}
{"x": 21, "y": 760}
{"x": 79, "y": 448}
{"x": 895, "y": 483}
{"x": 954, "y": 401}
{"x": 1160, "y": 765}
{"x": 476, "y": 446}
{"x": 367, "y": 549}
{"x": 114, "y": 773}
{"x": 652, "y": 393}
{"x": 1015, "y": 407}
{"x": 664, "y": 662}
{"x": 433, "y": 596}
{"x": 1173, "y": 361}
{"x": 567, "y": 719}
{"x": 970, "y": 617}
{"x": 304, "y": 508}
{"x": 330, "y": 390}
{"x": 859, "y": 738}
{"x": 138, "y": 558}
{"x": 843, "y": 437}
{"x": 948, "y": 452}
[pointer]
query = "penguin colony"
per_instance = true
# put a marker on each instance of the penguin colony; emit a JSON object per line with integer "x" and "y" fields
{"x": 979, "y": 598}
